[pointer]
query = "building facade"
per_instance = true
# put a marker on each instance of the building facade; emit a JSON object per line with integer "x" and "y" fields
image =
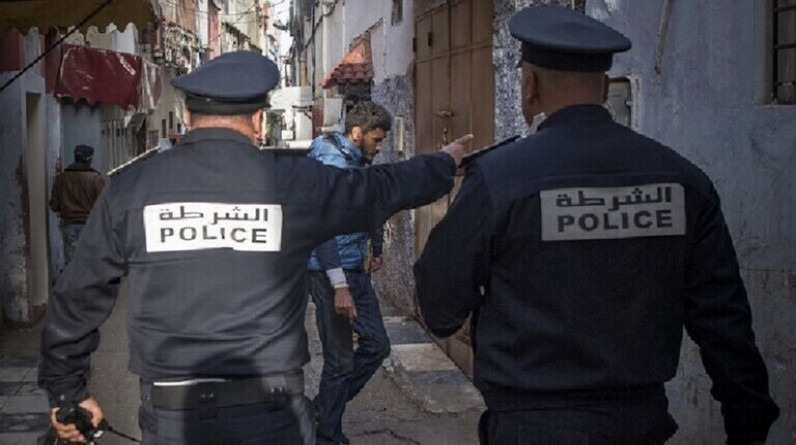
{"x": 105, "y": 84}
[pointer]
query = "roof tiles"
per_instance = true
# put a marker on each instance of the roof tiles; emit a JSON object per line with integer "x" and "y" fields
{"x": 355, "y": 67}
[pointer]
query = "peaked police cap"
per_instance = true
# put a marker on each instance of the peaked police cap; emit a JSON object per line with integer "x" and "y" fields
{"x": 232, "y": 83}
{"x": 562, "y": 39}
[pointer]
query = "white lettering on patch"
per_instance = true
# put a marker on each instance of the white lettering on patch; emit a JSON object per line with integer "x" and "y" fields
{"x": 178, "y": 226}
{"x": 585, "y": 213}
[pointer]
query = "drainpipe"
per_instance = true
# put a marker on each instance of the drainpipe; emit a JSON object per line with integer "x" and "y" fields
{"x": 663, "y": 28}
{"x": 325, "y": 47}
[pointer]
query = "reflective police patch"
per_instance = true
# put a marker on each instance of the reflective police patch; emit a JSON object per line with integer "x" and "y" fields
{"x": 585, "y": 213}
{"x": 178, "y": 226}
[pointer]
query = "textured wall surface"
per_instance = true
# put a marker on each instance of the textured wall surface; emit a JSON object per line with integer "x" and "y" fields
{"x": 505, "y": 54}
{"x": 705, "y": 104}
{"x": 13, "y": 246}
{"x": 394, "y": 283}
{"x": 82, "y": 125}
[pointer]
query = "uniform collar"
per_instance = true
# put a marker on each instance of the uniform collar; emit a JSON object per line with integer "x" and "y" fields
{"x": 577, "y": 113}
{"x": 205, "y": 134}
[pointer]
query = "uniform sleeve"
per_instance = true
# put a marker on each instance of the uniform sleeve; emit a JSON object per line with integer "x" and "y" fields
{"x": 718, "y": 319}
{"x": 80, "y": 301}
{"x": 358, "y": 199}
{"x": 450, "y": 272}
{"x": 328, "y": 255}
{"x": 377, "y": 240}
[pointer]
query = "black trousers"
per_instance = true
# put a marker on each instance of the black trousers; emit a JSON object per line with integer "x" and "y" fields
{"x": 289, "y": 423}
{"x": 589, "y": 424}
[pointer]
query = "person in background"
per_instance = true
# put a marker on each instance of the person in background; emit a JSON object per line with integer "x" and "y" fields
{"x": 340, "y": 284}
{"x": 74, "y": 192}
{"x": 582, "y": 251}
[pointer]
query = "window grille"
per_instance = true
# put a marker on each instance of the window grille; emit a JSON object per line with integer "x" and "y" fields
{"x": 784, "y": 54}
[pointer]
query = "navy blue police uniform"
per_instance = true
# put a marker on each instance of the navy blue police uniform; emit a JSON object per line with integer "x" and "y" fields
{"x": 214, "y": 237}
{"x": 582, "y": 251}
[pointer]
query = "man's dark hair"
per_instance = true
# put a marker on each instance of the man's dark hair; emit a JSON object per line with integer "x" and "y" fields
{"x": 368, "y": 116}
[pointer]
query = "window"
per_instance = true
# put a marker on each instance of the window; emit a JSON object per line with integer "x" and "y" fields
{"x": 784, "y": 53}
{"x": 397, "y": 11}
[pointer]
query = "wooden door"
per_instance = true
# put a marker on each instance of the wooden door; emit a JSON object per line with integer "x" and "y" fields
{"x": 454, "y": 86}
{"x": 454, "y": 95}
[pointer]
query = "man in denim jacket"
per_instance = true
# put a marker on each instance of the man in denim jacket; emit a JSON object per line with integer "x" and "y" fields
{"x": 340, "y": 283}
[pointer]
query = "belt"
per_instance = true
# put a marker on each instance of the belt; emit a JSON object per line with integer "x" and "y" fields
{"x": 190, "y": 394}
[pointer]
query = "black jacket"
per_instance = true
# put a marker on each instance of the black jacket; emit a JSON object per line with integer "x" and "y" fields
{"x": 595, "y": 246}
{"x": 214, "y": 236}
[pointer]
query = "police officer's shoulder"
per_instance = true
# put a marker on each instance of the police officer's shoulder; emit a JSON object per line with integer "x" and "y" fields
{"x": 232, "y": 83}
{"x": 472, "y": 156}
{"x": 559, "y": 38}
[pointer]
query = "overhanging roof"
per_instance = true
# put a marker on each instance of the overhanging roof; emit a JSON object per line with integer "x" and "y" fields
{"x": 45, "y": 14}
{"x": 355, "y": 68}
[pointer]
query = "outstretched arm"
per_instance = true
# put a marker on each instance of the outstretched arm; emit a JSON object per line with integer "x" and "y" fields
{"x": 454, "y": 264}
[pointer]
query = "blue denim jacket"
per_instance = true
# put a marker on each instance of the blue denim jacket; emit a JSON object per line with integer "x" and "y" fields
{"x": 351, "y": 249}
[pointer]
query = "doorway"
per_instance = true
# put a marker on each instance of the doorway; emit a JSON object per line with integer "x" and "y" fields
{"x": 454, "y": 86}
{"x": 35, "y": 166}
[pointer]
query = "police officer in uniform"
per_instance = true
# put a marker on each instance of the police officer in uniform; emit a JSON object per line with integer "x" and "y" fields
{"x": 214, "y": 237}
{"x": 581, "y": 252}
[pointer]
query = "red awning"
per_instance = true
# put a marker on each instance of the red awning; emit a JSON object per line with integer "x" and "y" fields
{"x": 102, "y": 76}
{"x": 355, "y": 67}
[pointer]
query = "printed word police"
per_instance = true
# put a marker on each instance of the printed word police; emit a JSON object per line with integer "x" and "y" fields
{"x": 209, "y": 233}
{"x": 173, "y": 227}
{"x": 608, "y": 213}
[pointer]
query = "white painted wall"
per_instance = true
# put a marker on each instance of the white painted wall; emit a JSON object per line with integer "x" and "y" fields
{"x": 349, "y": 20}
{"x": 202, "y": 17}
{"x": 124, "y": 41}
{"x": 332, "y": 45}
{"x": 706, "y": 105}
{"x": 82, "y": 124}
{"x": 170, "y": 100}
{"x": 391, "y": 44}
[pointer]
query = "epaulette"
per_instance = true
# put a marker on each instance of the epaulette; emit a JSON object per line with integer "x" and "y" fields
{"x": 470, "y": 157}
{"x": 145, "y": 155}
